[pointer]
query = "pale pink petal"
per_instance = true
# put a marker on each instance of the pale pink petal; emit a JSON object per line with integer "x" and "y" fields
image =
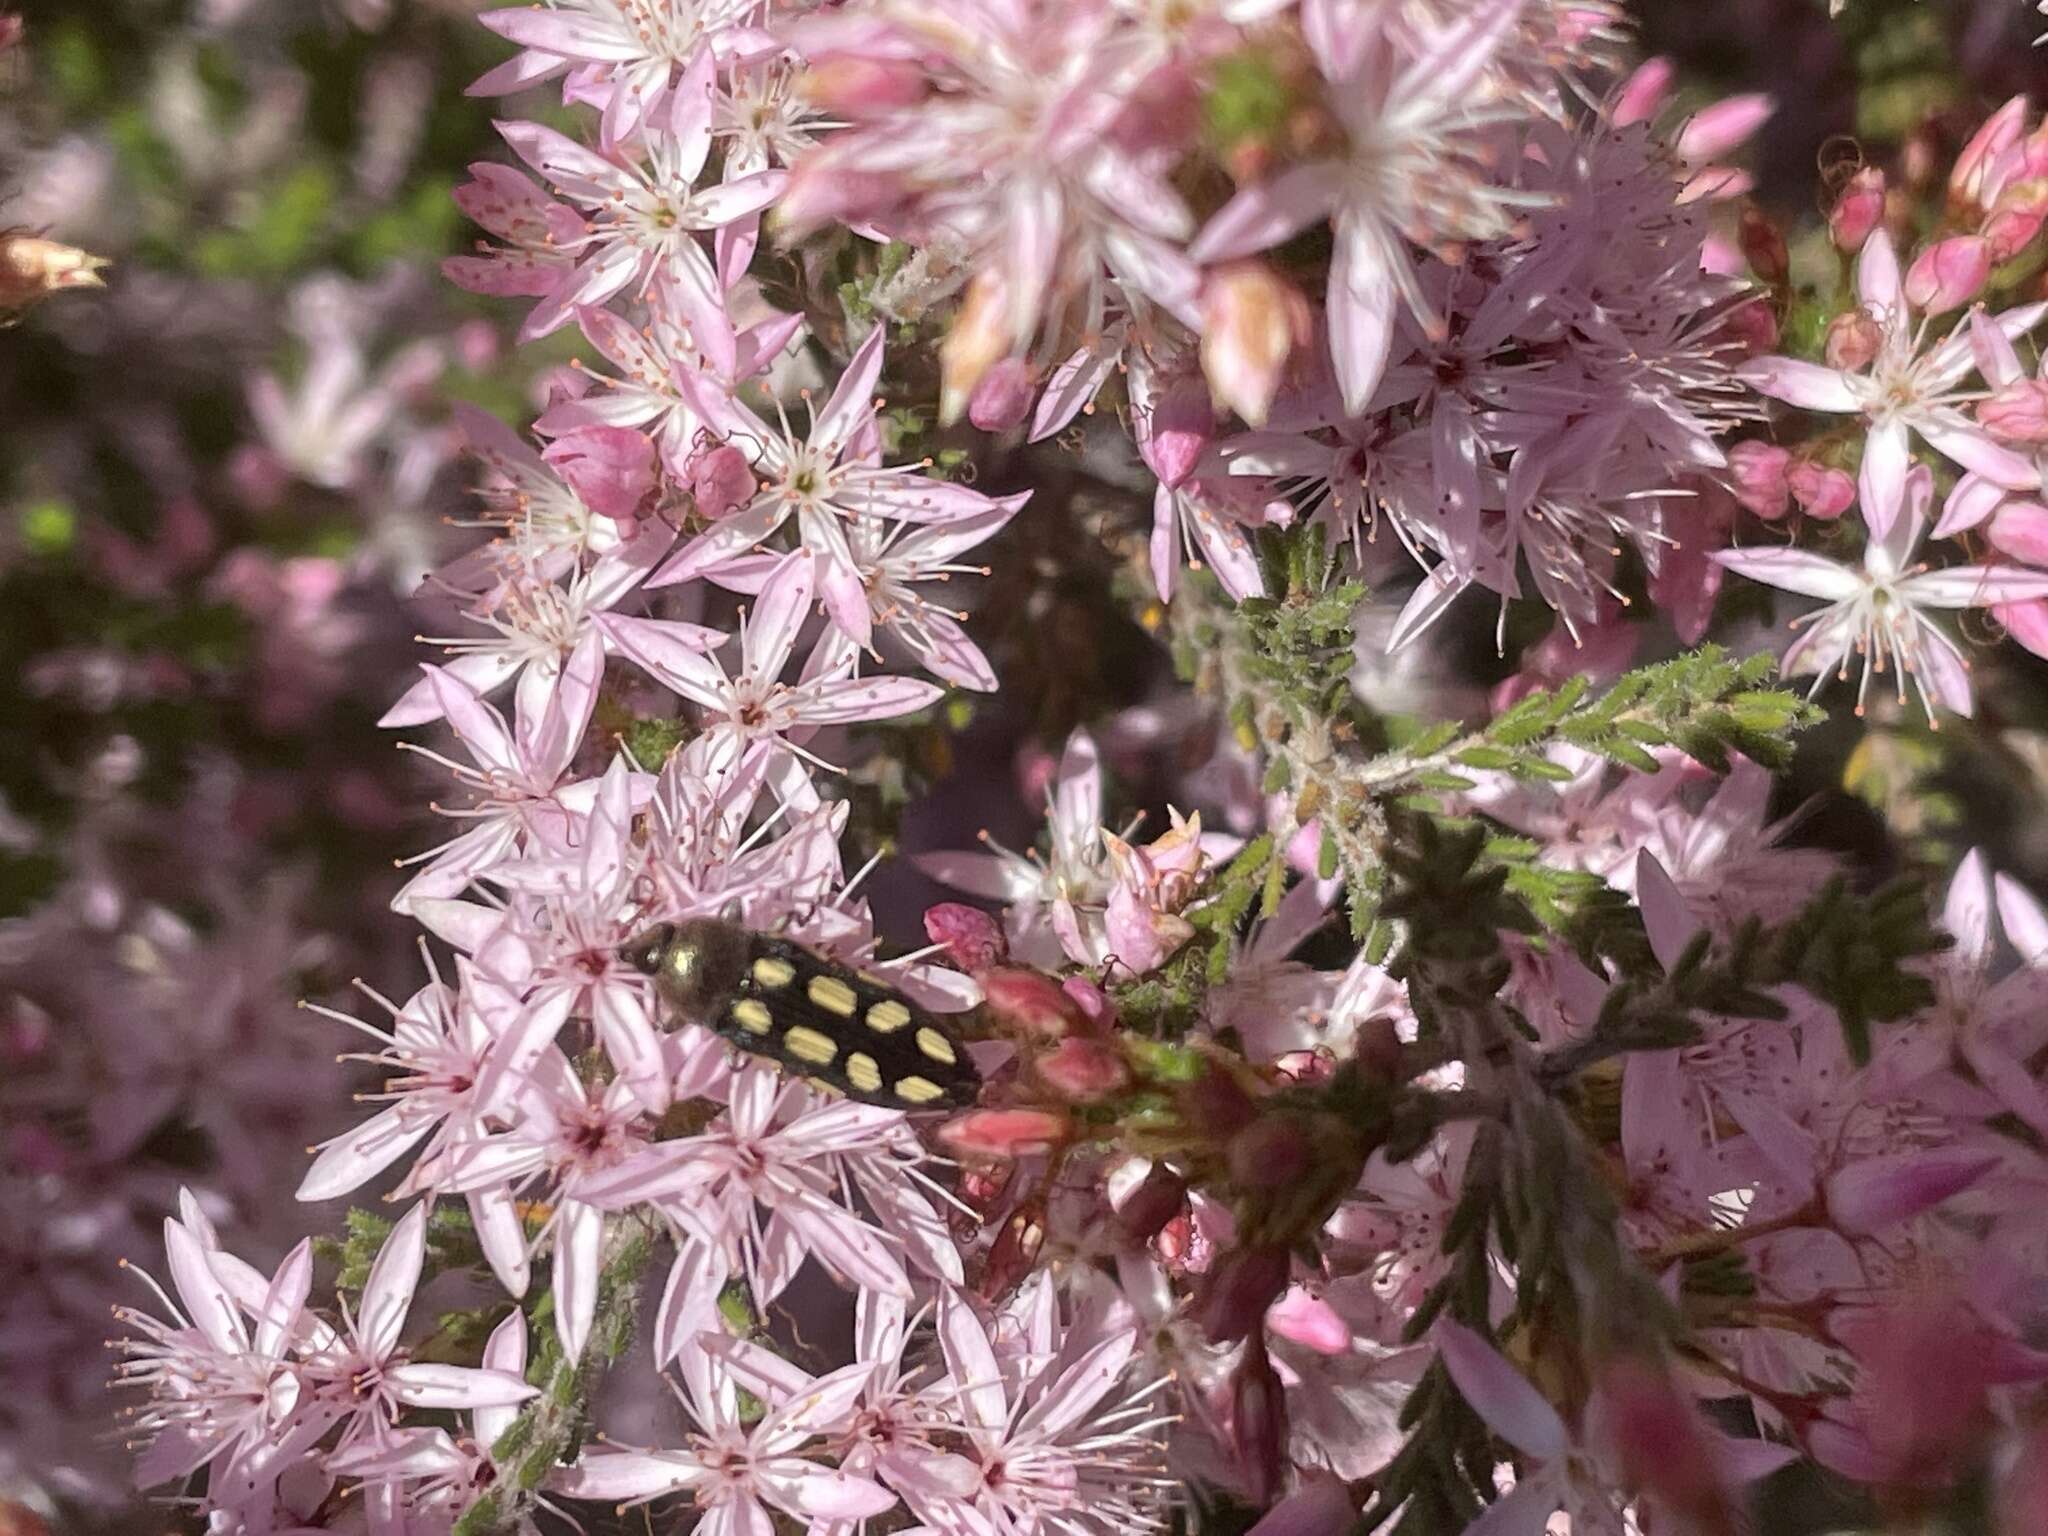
{"x": 1499, "y": 1393}
{"x": 1974, "y": 449}
{"x": 1362, "y": 299}
{"x": 1806, "y": 385}
{"x": 1793, "y": 570}
{"x": 579, "y": 1245}
{"x": 394, "y": 1276}
{"x": 1974, "y": 586}
{"x": 2022, "y": 918}
{"x": 850, "y": 700}
{"x": 1879, "y": 1192}
{"x": 976, "y": 1376}
{"x": 1269, "y": 213}
{"x": 614, "y": 1476}
{"x": 206, "y": 1300}
{"x": 853, "y": 398}
{"x": 350, "y": 1161}
{"x": 456, "y": 1386}
{"x": 1973, "y": 499}
{"x": 1877, "y": 278}
{"x": 1881, "y": 482}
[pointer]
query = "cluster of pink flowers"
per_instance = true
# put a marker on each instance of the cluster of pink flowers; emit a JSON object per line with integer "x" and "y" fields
{"x": 1140, "y": 1266}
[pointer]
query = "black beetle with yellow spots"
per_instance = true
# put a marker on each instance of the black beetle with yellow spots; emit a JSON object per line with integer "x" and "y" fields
{"x": 814, "y": 1016}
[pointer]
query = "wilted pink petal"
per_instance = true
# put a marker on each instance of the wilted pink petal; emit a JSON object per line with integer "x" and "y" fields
{"x": 721, "y": 480}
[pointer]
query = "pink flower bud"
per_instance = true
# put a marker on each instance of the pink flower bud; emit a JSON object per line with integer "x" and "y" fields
{"x": 721, "y": 480}
{"x": 611, "y": 468}
{"x": 1306, "y": 1319}
{"x": 1714, "y": 130}
{"x": 1258, "y": 1424}
{"x": 1852, "y": 341}
{"x": 1094, "y": 1003}
{"x": 2018, "y": 413}
{"x": 1821, "y": 492}
{"x": 1239, "y": 1288}
{"x": 1948, "y": 274}
{"x": 1763, "y": 246}
{"x": 854, "y": 87}
{"x": 1643, "y": 94}
{"x": 1253, "y": 319}
{"x": 1928, "y": 1363}
{"x": 979, "y": 339}
{"x": 2027, "y": 623}
{"x": 2001, "y": 131}
{"x": 1083, "y": 1071}
{"x": 1753, "y": 327}
{"x": 973, "y": 940}
{"x": 1175, "y": 429}
{"x": 1028, "y": 1003}
{"x": 1662, "y": 1447}
{"x": 2020, "y": 529}
{"x": 1857, "y": 211}
{"x": 1756, "y": 471}
{"x": 1002, "y": 397}
{"x": 1160, "y": 1196}
{"x": 1875, "y": 1193}
{"x": 2016, "y": 218}
{"x": 1005, "y": 1133}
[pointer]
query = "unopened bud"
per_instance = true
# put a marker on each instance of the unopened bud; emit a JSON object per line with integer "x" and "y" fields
{"x": 721, "y": 480}
{"x": 1083, "y": 1071}
{"x": 1002, "y": 397}
{"x": 611, "y": 469}
{"x": 1753, "y": 327}
{"x": 1853, "y": 340}
{"x": 1714, "y": 130}
{"x": 980, "y": 338}
{"x": 855, "y": 87}
{"x": 31, "y": 269}
{"x": 1661, "y": 1445}
{"x": 1973, "y": 167}
{"x": 972, "y": 939}
{"x": 1821, "y": 492}
{"x": 1028, "y": 1003}
{"x": 1948, "y": 274}
{"x": 1858, "y": 210}
{"x": 1004, "y": 1133}
{"x": 1643, "y": 94}
{"x": 2017, "y": 413}
{"x": 2015, "y": 218}
{"x": 1763, "y": 246}
{"x": 1239, "y": 1288}
{"x": 1253, "y": 319}
{"x": 1756, "y": 473}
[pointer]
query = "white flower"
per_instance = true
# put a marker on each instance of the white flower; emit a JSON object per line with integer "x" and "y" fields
{"x": 1879, "y": 611}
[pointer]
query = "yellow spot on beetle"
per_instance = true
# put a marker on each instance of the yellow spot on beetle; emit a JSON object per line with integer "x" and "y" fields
{"x": 833, "y": 995}
{"x": 862, "y": 1072}
{"x": 752, "y": 1016}
{"x": 918, "y": 1090}
{"x": 936, "y": 1045}
{"x": 772, "y": 972}
{"x": 810, "y": 1046}
{"x": 888, "y": 1017}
